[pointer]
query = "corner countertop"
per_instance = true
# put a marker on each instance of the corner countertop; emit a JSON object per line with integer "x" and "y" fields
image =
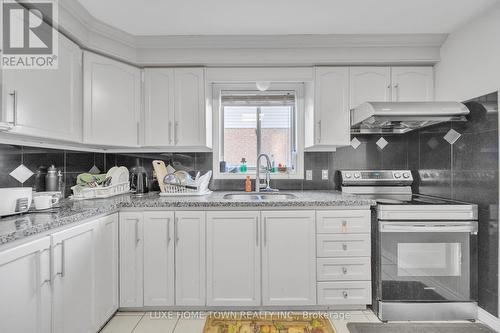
{"x": 70, "y": 212}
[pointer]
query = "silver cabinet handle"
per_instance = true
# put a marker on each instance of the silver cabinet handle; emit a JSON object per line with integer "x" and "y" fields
{"x": 176, "y": 231}
{"x": 319, "y": 131}
{"x": 137, "y": 239}
{"x": 344, "y": 293}
{"x": 168, "y": 232}
{"x": 257, "y": 232}
{"x": 397, "y": 91}
{"x": 265, "y": 231}
{"x": 176, "y": 134}
{"x": 169, "y": 132}
{"x": 344, "y": 247}
{"x": 63, "y": 260}
{"x": 344, "y": 270}
{"x": 14, "y": 107}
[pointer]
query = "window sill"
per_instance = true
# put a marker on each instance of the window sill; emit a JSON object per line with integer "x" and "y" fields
{"x": 218, "y": 175}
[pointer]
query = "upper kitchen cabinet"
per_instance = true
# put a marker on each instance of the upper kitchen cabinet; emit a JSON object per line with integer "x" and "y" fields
{"x": 47, "y": 103}
{"x": 369, "y": 84}
{"x": 331, "y": 108}
{"x": 175, "y": 107}
{"x": 111, "y": 103}
{"x": 411, "y": 84}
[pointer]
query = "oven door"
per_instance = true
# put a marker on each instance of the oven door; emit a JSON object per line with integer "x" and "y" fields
{"x": 427, "y": 261}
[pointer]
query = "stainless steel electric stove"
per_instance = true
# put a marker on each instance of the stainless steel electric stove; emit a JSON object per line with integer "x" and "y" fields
{"x": 424, "y": 249}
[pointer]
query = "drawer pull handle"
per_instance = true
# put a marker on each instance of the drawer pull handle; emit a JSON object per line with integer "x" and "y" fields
{"x": 344, "y": 226}
{"x": 344, "y": 270}
{"x": 344, "y": 247}
{"x": 344, "y": 293}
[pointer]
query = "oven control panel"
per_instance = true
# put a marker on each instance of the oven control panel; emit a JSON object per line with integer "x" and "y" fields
{"x": 376, "y": 177}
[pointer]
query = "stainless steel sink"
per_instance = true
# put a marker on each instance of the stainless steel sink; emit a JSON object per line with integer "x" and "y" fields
{"x": 259, "y": 196}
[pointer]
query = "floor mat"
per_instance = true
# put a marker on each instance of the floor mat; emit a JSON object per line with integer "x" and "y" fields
{"x": 268, "y": 323}
{"x": 418, "y": 328}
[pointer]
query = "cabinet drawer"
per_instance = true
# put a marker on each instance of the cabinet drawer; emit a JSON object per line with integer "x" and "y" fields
{"x": 344, "y": 293}
{"x": 338, "y": 245}
{"x": 338, "y": 269}
{"x": 343, "y": 221}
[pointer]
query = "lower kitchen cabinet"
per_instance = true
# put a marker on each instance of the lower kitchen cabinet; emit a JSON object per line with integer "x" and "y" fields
{"x": 233, "y": 258}
{"x": 74, "y": 273}
{"x": 190, "y": 258}
{"x": 25, "y": 302}
{"x": 107, "y": 268}
{"x": 131, "y": 259}
{"x": 158, "y": 258}
{"x": 288, "y": 258}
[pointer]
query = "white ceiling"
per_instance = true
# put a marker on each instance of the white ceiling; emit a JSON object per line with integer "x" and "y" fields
{"x": 268, "y": 17}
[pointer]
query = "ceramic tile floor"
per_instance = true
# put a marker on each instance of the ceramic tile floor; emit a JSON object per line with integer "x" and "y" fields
{"x": 145, "y": 322}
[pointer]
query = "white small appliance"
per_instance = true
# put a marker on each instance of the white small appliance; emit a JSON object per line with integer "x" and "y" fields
{"x": 15, "y": 200}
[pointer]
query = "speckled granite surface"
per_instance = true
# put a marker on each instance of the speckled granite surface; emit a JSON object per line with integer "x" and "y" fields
{"x": 71, "y": 212}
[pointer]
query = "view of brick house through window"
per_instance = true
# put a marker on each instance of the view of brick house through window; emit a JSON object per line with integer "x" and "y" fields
{"x": 254, "y": 124}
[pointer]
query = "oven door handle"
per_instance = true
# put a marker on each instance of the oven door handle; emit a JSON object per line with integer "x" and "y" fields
{"x": 470, "y": 227}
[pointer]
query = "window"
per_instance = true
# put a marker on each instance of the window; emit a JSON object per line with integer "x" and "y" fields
{"x": 252, "y": 122}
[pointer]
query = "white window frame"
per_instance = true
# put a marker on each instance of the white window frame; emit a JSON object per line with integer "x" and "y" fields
{"x": 297, "y": 88}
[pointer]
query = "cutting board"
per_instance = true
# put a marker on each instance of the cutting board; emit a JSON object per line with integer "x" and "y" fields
{"x": 161, "y": 172}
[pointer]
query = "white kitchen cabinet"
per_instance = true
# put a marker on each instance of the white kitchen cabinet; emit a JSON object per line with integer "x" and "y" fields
{"x": 47, "y": 103}
{"x": 158, "y": 258}
{"x": 25, "y": 278}
{"x": 190, "y": 258}
{"x": 410, "y": 84}
{"x": 345, "y": 293}
{"x": 175, "y": 107}
{"x": 233, "y": 258}
{"x": 331, "y": 107}
{"x": 107, "y": 268}
{"x": 369, "y": 84}
{"x": 288, "y": 258}
{"x": 111, "y": 102}
{"x": 74, "y": 274}
{"x": 131, "y": 259}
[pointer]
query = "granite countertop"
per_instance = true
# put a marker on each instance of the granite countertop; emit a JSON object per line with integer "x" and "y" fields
{"x": 69, "y": 212}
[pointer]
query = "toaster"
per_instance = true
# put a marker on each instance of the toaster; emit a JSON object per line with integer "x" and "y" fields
{"x": 15, "y": 200}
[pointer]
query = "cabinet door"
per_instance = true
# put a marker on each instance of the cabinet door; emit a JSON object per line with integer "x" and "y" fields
{"x": 25, "y": 304}
{"x": 190, "y": 258}
{"x": 189, "y": 124}
{"x": 412, "y": 84}
{"x": 47, "y": 103}
{"x": 288, "y": 258}
{"x": 159, "y": 107}
{"x": 158, "y": 259}
{"x": 233, "y": 258}
{"x": 332, "y": 126}
{"x": 369, "y": 84}
{"x": 112, "y": 101}
{"x": 131, "y": 259}
{"x": 74, "y": 279}
{"x": 107, "y": 268}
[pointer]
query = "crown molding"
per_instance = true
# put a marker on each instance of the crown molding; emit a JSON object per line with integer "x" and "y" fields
{"x": 245, "y": 50}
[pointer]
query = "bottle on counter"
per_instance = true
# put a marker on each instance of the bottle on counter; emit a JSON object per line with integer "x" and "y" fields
{"x": 61, "y": 186}
{"x": 243, "y": 165}
{"x": 248, "y": 184}
{"x": 51, "y": 179}
{"x": 40, "y": 174}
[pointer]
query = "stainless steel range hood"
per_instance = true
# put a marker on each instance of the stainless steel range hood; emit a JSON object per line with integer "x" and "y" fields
{"x": 403, "y": 117}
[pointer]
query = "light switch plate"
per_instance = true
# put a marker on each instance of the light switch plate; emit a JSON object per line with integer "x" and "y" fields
{"x": 309, "y": 175}
{"x": 324, "y": 174}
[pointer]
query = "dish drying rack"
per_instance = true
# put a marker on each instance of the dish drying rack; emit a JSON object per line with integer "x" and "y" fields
{"x": 198, "y": 188}
{"x": 83, "y": 193}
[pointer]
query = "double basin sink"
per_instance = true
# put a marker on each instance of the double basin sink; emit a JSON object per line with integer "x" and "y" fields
{"x": 260, "y": 196}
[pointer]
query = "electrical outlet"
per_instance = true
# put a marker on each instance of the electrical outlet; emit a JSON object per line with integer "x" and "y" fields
{"x": 324, "y": 174}
{"x": 309, "y": 175}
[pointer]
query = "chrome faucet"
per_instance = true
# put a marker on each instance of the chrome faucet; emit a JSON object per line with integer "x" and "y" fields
{"x": 267, "y": 185}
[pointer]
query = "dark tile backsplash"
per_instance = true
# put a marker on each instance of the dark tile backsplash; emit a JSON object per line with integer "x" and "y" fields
{"x": 466, "y": 170}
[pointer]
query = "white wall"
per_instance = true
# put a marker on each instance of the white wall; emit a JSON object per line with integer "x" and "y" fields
{"x": 470, "y": 59}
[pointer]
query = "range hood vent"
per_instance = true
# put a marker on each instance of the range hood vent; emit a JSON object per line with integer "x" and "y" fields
{"x": 403, "y": 117}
